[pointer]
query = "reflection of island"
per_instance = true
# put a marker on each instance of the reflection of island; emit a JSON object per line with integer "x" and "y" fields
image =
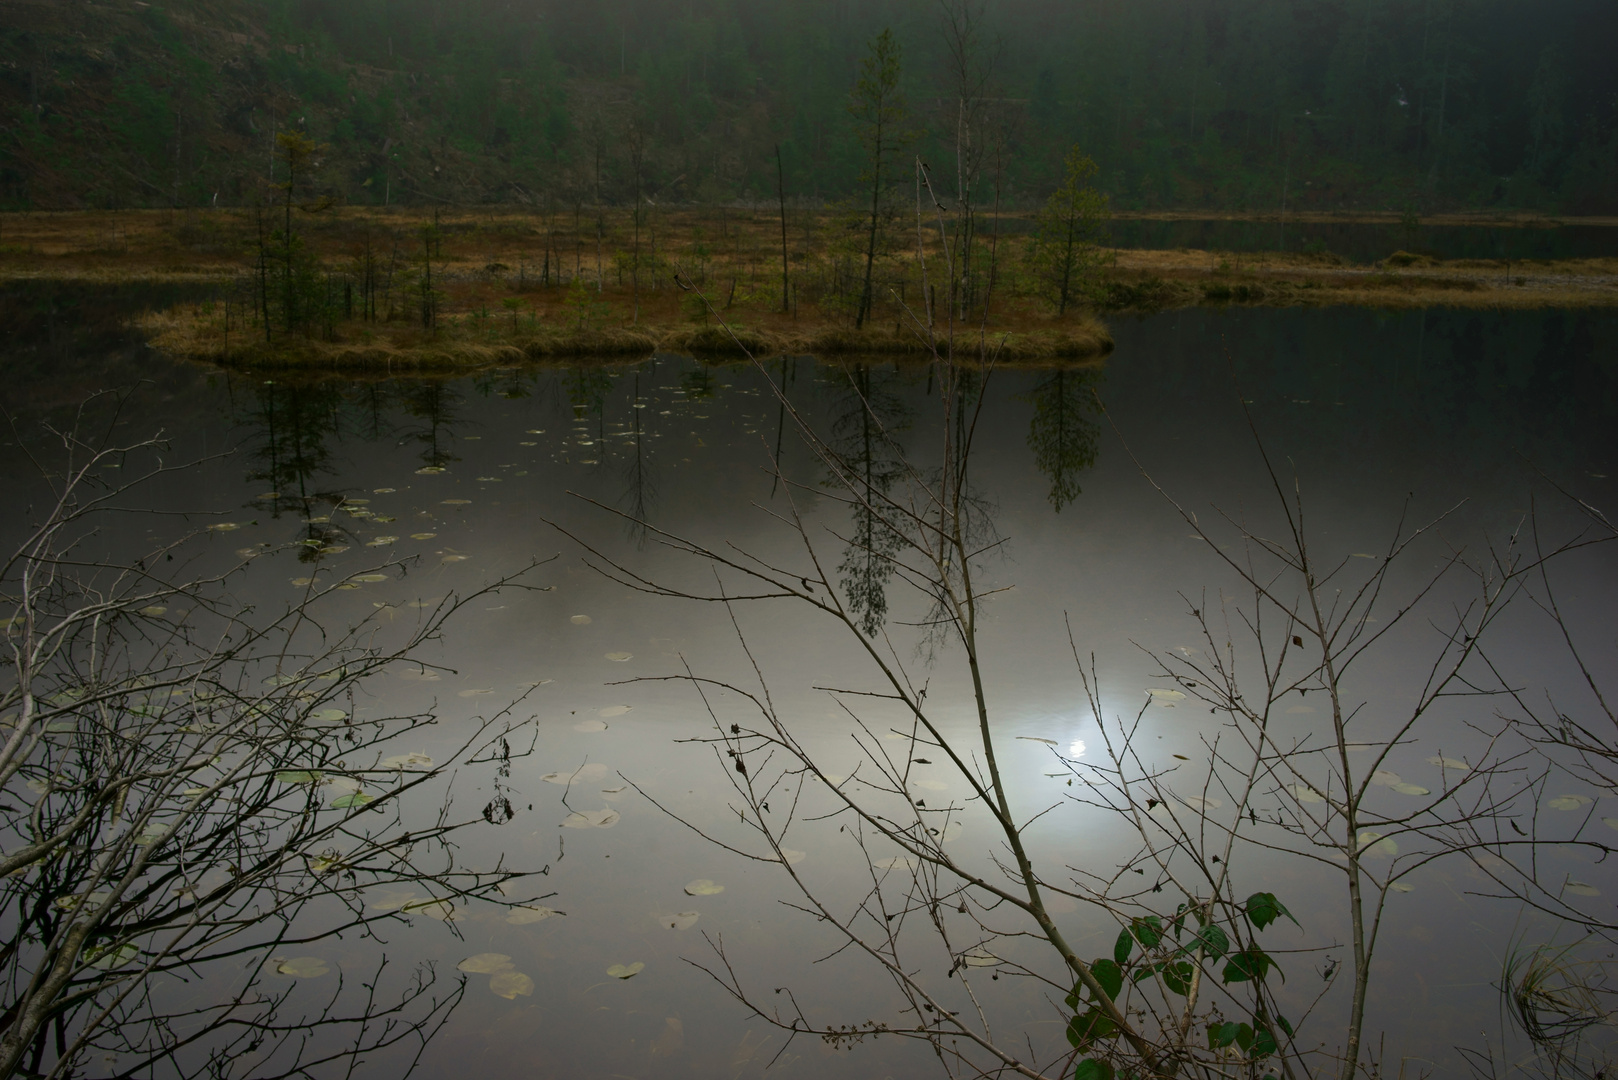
{"x": 867, "y": 417}
{"x": 1063, "y": 433}
{"x": 436, "y": 405}
{"x": 294, "y": 423}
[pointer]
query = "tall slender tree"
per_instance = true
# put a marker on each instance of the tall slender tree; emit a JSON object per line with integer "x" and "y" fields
{"x": 879, "y": 110}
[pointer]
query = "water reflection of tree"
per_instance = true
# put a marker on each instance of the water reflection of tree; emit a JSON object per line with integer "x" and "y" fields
{"x": 1063, "y": 432}
{"x": 436, "y": 405}
{"x": 868, "y": 416}
{"x": 640, "y": 483}
{"x": 295, "y": 423}
{"x": 587, "y": 390}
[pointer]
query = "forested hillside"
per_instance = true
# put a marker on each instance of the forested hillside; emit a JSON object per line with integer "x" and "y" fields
{"x": 1218, "y": 104}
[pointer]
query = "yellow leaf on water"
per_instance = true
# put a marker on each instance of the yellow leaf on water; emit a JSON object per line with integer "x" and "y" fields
{"x": 703, "y": 887}
{"x": 509, "y": 984}
{"x": 620, "y": 971}
{"x": 487, "y": 963}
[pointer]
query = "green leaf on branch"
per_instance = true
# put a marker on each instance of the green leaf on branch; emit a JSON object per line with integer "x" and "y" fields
{"x": 1264, "y": 1043}
{"x": 1177, "y": 977}
{"x": 1089, "y": 1026}
{"x": 1092, "y": 1069}
{"x": 1122, "y": 948}
{"x": 1148, "y": 931}
{"x": 1263, "y": 909}
{"x": 1110, "y": 976}
{"x": 1249, "y": 964}
{"x": 1214, "y": 941}
{"x": 1285, "y": 1026}
{"x": 1229, "y": 1033}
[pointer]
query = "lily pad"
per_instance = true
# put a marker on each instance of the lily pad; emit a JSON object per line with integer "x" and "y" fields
{"x": 605, "y": 818}
{"x": 931, "y": 785}
{"x": 153, "y": 834}
{"x": 1197, "y": 802}
{"x": 1385, "y": 778}
{"x": 297, "y": 776}
{"x": 584, "y": 774}
{"x": 615, "y": 710}
{"x": 411, "y": 762}
{"x": 381, "y": 541}
{"x": 980, "y": 957}
{"x": 431, "y": 470}
{"x": 383, "y": 491}
{"x": 1569, "y": 802}
{"x": 478, "y": 692}
{"x": 1580, "y": 888}
{"x": 510, "y": 984}
{"x": 442, "y": 910}
{"x": 590, "y": 725}
{"x": 703, "y": 887}
{"x": 683, "y": 920}
{"x": 454, "y": 558}
{"x": 896, "y": 862}
{"x": 1453, "y": 764}
{"x": 390, "y": 900}
{"x": 1411, "y": 789}
{"x": 1374, "y": 843}
{"x": 1612, "y": 822}
{"x": 302, "y": 967}
{"x": 485, "y": 963}
{"x": 456, "y": 502}
{"x": 154, "y": 610}
{"x": 352, "y": 800}
{"x": 1305, "y": 794}
{"x": 621, "y": 971}
{"x": 1165, "y": 696}
{"x": 1399, "y": 886}
{"x": 524, "y": 914}
{"x": 793, "y": 857}
{"x": 107, "y": 959}
{"x": 620, "y": 657}
{"x": 422, "y": 536}
{"x": 580, "y": 620}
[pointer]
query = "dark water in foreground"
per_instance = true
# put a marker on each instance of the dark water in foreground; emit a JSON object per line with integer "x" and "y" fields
{"x": 1370, "y": 409}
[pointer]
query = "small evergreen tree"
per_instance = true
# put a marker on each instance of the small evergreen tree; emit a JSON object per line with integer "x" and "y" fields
{"x": 1066, "y": 254}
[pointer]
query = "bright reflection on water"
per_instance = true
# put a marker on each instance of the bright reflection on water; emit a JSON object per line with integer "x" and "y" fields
{"x": 475, "y": 477}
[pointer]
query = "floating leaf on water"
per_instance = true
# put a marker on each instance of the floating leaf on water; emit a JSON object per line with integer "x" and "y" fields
{"x": 615, "y": 710}
{"x": 1612, "y": 822}
{"x": 1374, "y": 843}
{"x": 346, "y": 585}
{"x": 590, "y": 725}
{"x": 442, "y": 910}
{"x": 68, "y": 903}
{"x": 153, "y": 834}
{"x": 381, "y": 541}
{"x": 952, "y": 831}
{"x": 1031, "y": 738}
{"x": 383, "y": 519}
{"x": 454, "y": 558}
{"x": 1305, "y": 794}
{"x": 270, "y": 495}
{"x": 390, "y": 900}
{"x": 620, "y": 971}
{"x": 1580, "y": 888}
{"x": 488, "y": 479}
{"x": 1399, "y": 886}
{"x": 419, "y": 675}
{"x": 580, "y": 620}
{"x": 926, "y": 785}
{"x": 485, "y": 963}
{"x": 154, "y": 610}
{"x": 536, "y": 431}
{"x": 793, "y": 857}
{"x": 456, "y": 502}
{"x": 1165, "y": 696}
{"x": 60, "y": 726}
{"x": 107, "y": 959}
{"x": 620, "y": 657}
{"x": 605, "y": 818}
{"x": 302, "y": 967}
{"x": 476, "y": 692}
{"x": 703, "y": 887}
{"x": 352, "y": 800}
{"x": 1300, "y": 709}
{"x": 412, "y": 762}
{"x": 1450, "y": 763}
{"x": 194, "y": 791}
{"x": 430, "y": 470}
{"x": 383, "y": 491}
{"x": 38, "y": 785}
{"x": 424, "y": 604}
{"x": 1569, "y": 802}
{"x": 300, "y": 582}
{"x": 980, "y": 957}
{"x": 584, "y": 774}
{"x": 329, "y": 716}
{"x": 1197, "y": 802}
{"x": 297, "y": 776}
{"x": 509, "y": 984}
{"x": 224, "y": 526}
{"x": 897, "y": 862}
{"x": 1411, "y": 789}
{"x": 683, "y": 920}
{"x": 422, "y": 536}
{"x": 524, "y": 914}
{"x": 1385, "y": 778}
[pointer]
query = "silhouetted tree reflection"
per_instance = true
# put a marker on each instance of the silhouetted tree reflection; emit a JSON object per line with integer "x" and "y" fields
{"x": 867, "y": 417}
{"x": 699, "y": 382}
{"x": 641, "y": 485}
{"x": 436, "y": 404}
{"x": 587, "y": 390}
{"x": 294, "y": 425}
{"x": 1063, "y": 433}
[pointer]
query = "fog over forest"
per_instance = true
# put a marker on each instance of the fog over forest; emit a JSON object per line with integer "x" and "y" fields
{"x": 1210, "y": 104}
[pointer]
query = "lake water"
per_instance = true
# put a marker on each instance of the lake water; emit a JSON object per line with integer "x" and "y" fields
{"x": 1374, "y": 411}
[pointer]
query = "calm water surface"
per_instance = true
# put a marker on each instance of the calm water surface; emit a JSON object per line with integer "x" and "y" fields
{"x": 1370, "y": 409}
